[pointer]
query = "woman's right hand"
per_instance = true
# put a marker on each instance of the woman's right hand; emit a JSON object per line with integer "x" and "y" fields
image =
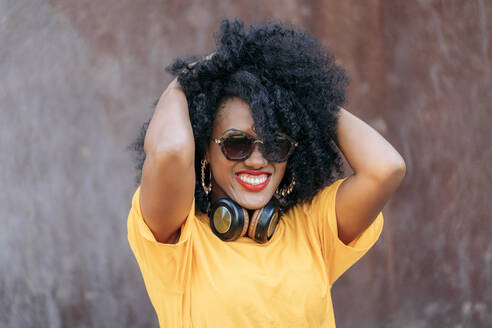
{"x": 168, "y": 173}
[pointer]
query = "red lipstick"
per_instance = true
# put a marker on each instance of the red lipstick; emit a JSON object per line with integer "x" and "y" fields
{"x": 249, "y": 186}
{"x": 253, "y": 172}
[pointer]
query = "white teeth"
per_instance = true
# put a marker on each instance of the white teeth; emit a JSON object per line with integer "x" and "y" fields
{"x": 253, "y": 180}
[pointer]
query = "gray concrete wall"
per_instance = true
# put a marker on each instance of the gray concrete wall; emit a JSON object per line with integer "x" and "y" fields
{"x": 78, "y": 78}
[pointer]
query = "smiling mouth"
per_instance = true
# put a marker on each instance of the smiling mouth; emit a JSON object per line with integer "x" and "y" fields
{"x": 253, "y": 182}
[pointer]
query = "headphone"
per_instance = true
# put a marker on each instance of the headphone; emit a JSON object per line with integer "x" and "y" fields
{"x": 229, "y": 221}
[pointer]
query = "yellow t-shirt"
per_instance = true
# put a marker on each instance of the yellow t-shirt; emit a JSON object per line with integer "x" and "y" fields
{"x": 203, "y": 281}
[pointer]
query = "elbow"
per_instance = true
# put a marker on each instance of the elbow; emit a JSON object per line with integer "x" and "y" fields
{"x": 402, "y": 170}
{"x": 399, "y": 168}
{"x": 393, "y": 171}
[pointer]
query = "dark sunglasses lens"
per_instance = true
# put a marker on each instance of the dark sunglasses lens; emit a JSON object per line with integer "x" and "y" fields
{"x": 279, "y": 151}
{"x": 284, "y": 146}
{"x": 237, "y": 146}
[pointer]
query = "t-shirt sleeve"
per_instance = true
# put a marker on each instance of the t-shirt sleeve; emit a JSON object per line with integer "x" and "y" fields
{"x": 152, "y": 255}
{"x": 338, "y": 256}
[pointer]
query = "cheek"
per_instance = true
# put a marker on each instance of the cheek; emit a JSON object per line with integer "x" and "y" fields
{"x": 280, "y": 171}
{"x": 221, "y": 170}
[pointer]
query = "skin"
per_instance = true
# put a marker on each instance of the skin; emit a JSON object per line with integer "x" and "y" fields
{"x": 378, "y": 171}
{"x": 236, "y": 114}
{"x": 168, "y": 175}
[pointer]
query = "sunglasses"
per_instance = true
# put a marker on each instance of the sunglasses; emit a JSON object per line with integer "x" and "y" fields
{"x": 238, "y": 146}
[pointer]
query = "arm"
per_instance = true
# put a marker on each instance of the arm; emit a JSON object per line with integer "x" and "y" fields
{"x": 378, "y": 171}
{"x": 168, "y": 175}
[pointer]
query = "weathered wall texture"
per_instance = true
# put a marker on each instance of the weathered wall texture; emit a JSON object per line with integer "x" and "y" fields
{"x": 78, "y": 78}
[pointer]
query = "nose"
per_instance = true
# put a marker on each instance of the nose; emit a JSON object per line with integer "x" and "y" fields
{"x": 256, "y": 159}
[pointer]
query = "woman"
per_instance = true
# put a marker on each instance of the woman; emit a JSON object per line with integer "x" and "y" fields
{"x": 239, "y": 220}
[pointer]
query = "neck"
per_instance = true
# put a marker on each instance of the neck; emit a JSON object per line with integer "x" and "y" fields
{"x": 217, "y": 193}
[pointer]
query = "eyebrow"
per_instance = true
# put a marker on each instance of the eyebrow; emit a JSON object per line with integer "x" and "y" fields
{"x": 232, "y": 130}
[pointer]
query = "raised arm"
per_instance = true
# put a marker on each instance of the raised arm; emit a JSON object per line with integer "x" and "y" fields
{"x": 168, "y": 175}
{"x": 378, "y": 171}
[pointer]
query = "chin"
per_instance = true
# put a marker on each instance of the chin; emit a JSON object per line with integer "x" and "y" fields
{"x": 253, "y": 203}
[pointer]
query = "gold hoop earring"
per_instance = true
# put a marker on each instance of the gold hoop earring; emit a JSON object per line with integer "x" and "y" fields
{"x": 287, "y": 190}
{"x": 208, "y": 188}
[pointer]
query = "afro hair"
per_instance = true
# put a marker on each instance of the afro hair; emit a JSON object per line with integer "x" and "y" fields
{"x": 292, "y": 85}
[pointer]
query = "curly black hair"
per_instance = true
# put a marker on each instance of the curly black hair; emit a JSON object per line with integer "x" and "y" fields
{"x": 292, "y": 85}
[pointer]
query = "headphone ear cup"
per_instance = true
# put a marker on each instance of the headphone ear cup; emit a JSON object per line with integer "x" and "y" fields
{"x": 246, "y": 223}
{"x": 264, "y": 222}
{"x": 228, "y": 220}
{"x": 254, "y": 223}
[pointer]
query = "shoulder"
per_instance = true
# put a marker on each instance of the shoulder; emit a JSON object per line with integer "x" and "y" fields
{"x": 324, "y": 198}
{"x": 139, "y": 231}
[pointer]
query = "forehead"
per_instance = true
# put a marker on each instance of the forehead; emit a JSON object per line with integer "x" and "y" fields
{"x": 234, "y": 113}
